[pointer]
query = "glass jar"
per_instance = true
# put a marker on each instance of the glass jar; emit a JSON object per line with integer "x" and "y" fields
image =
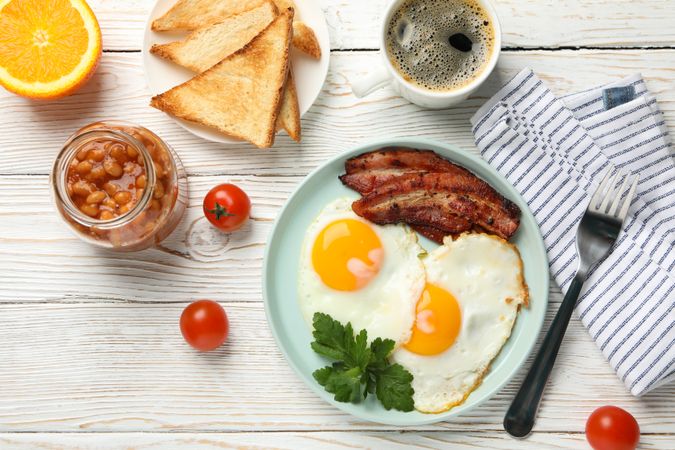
{"x": 119, "y": 186}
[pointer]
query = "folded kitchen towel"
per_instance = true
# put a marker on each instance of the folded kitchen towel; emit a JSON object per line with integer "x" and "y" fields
{"x": 555, "y": 150}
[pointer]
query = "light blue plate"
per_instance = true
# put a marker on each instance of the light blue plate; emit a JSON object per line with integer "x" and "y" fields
{"x": 280, "y": 279}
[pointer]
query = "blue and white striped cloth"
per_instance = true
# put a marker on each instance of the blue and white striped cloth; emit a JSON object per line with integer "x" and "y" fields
{"x": 555, "y": 151}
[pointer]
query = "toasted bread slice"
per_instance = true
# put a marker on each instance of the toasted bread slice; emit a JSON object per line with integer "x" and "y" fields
{"x": 208, "y": 46}
{"x": 289, "y": 114}
{"x": 241, "y": 95}
{"x": 284, "y": 4}
{"x": 304, "y": 39}
{"x": 193, "y": 14}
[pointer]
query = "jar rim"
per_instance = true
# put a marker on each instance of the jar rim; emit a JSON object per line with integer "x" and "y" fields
{"x": 60, "y": 173}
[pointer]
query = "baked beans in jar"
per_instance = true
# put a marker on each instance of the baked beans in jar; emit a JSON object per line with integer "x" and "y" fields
{"x": 119, "y": 186}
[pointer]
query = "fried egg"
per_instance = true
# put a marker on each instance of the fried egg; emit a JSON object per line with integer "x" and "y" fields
{"x": 474, "y": 290}
{"x": 359, "y": 272}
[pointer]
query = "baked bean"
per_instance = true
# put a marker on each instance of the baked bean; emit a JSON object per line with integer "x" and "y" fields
{"x": 141, "y": 217}
{"x": 132, "y": 152}
{"x": 123, "y": 197}
{"x": 140, "y": 181}
{"x": 159, "y": 191}
{"x": 166, "y": 201}
{"x": 82, "y": 154}
{"x": 110, "y": 188}
{"x": 112, "y": 168}
{"x": 82, "y": 188}
{"x": 90, "y": 210}
{"x": 118, "y": 152}
{"x": 96, "y": 154}
{"x": 106, "y": 215}
{"x": 124, "y": 209}
{"x": 109, "y": 203}
{"x": 83, "y": 167}
{"x": 159, "y": 170}
{"x": 135, "y": 134}
{"x": 96, "y": 197}
{"x": 97, "y": 173}
{"x": 155, "y": 205}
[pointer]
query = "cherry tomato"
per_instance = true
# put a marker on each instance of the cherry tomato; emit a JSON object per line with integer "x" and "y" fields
{"x": 227, "y": 207}
{"x": 204, "y": 325}
{"x": 612, "y": 428}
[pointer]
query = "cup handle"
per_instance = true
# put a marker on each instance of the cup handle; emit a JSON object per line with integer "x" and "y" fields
{"x": 371, "y": 82}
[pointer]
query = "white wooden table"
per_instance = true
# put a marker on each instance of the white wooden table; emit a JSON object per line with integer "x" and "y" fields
{"x": 90, "y": 351}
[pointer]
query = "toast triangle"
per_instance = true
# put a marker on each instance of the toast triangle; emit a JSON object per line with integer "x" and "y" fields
{"x": 193, "y": 14}
{"x": 305, "y": 40}
{"x": 241, "y": 95}
{"x": 206, "y": 47}
{"x": 289, "y": 114}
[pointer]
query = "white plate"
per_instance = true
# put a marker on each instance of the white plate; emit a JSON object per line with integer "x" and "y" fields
{"x": 309, "y": 73}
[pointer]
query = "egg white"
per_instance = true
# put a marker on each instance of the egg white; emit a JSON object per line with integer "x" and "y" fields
{"x": 485, "y": 275}
{"x": 385, "y": 307}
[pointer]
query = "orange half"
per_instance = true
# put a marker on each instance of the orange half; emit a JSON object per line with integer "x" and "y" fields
{"x": 48, "y": 48}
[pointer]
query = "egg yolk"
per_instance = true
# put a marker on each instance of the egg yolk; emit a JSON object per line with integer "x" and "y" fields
{"x": 347, "y": 254}
{"x": 437, "y": 322}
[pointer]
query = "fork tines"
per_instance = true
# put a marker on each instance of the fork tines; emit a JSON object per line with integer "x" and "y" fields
{"x": 608, "y": 197}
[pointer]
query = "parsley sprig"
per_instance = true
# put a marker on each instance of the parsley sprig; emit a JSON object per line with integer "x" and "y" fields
{"x": 359, "y": 369}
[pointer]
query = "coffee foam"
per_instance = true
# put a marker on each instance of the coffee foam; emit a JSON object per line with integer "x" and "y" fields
{"x": 418, "y": 45}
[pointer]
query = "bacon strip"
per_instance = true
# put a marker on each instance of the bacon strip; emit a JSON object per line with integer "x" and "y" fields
{"x": 431, "y": 233}
{"x": 401, "y": 158}
{"x": 446, "y": 201}
{"x": 437, "y": 235}
{"x": 369, "y": 170}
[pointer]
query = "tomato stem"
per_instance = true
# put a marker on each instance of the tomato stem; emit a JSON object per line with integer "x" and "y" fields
{"x": 220, "y": 211}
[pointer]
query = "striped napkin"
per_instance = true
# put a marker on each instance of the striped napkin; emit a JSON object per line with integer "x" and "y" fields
{"x": 555, "y": 150}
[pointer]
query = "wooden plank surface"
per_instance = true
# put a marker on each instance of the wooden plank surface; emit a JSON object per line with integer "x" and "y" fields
{"x": 181, "y": 268}
{"x": 98, "y": 366}
{"x": 32, "y": 133}
{"x": 91, "y": 355}
{"x": 291, "y": 441}
{"x": 541, "y": 23}
{"x": 102, "y": 324}
{"x": 91, "y": 340}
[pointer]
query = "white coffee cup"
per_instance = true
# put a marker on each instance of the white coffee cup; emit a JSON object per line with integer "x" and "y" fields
{"x": 385, "y": 73}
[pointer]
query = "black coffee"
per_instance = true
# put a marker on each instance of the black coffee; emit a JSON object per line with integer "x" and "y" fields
{"x": 440, "y": 45}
